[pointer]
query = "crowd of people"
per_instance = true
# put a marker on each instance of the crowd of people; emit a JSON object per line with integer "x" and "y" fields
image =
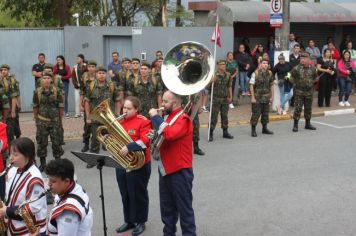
{"x": 136, "y": 89}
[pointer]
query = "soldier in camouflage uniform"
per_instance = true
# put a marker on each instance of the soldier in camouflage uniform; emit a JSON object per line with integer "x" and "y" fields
{"x": 146, "y": 88}
{"x": 98, "y": 91}
{"x": 57, "y": 82}
{"x": 195, "y": 99}
{"x": 261, "y": 90}
{"x": 303, "y": 77}
{"x": 132, "y": 74}
{"x": 221, "y": 99}
{"x": 156, "y": 72}
{"x": 84, "y": 81}
{"x": 12, "y": 91}
{"x": 120, "y": 78}
{"x": 47, "y": 111}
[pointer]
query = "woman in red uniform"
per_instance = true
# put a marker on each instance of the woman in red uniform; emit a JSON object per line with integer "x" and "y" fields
{"x": 3, "y": 149}
{"x": 133, "y": 184}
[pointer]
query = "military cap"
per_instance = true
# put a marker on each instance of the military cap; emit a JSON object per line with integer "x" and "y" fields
{"x": 126, "y": 59}
{"x": 5, "y": 66}
{"x": 304, "y": 54}
{"x": 92, "y": 63}
{"x": 47, "y": 74}
{"x": 102, "y": 68}
{"x": 146, "y": 64}
{"x": 221, "y": 61}
{"x": 48, "y": 66}
{"x": 135, "y": 59}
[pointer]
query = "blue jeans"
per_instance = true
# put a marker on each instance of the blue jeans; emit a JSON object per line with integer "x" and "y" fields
{"x": 66, "y": 90}
{"x": 243, "y": 81}
{"x": 286, "y": 97}
{"x": 345, "y": 89}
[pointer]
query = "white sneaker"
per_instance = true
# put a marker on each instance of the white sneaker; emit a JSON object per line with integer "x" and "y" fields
{"x": 347, "y": 104}
{"x": 284, "y": 113}
{"x": 204, "y": 109}
{"x": 231, "y": 106}
{"x": 341, "y": 104}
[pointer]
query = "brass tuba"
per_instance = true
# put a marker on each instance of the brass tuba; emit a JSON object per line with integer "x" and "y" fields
{"x": 116, "y": 137}
{"x": 186, "y": 70}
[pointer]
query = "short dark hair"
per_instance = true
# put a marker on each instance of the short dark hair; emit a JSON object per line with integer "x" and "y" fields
{"x": 146, "y": 64}
{"x": 26, "y": 147}
{"x": 62, "y": 168}
{"x": 41, "y": 54}
{"x": 296, "y": 45}
{"x": 115, "y": 53}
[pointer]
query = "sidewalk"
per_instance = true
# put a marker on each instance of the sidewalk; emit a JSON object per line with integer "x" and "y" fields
{"x": 73, "y": 127}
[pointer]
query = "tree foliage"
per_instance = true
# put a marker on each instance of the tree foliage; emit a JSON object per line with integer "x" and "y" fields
{"x": 47, "y": 13}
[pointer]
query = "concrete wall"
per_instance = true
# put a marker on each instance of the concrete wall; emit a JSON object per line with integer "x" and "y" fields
{"x": 19, "y": 49}
{"x": 90, "y": 40}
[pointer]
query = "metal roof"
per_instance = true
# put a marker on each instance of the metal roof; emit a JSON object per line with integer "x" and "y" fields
{"x": 248, "y": 11}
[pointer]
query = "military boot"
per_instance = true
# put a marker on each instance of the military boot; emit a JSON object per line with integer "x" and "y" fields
{"x": 197, "y": 150}
{"x": 42, "y": 166}
{"x": 211, "y": 136}
{"x": 86, "y": 147}
{"x": 265, "y": 130}
{"x": 227, "y": 135}
{"x": 308, "y": 125}
{"x": 295, "y": 127}
{"x": 253, "y": 131}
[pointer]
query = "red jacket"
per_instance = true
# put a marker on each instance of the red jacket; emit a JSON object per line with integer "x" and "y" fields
{"x": 342, "y": 69}
{"x": 65, "y": 77}
{"x": 335, "y": 54}
{"x": 176, "y": 150}
{"x": 3, "y": 138}
{"x": 138, "y": 127}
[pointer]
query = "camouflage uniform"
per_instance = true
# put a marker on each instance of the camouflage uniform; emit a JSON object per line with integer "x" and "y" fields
{"x": 261, "y": 81}
{"x": 84, "y": 85}
{"x": 220, "y": 103}
{"x": 196, "y": 122}
{"x": 146, "y": 92}
{"x": 12, "y": 91}
{"x": 48, "y": 103}
{"x": 157, "y": 75}
{"x": 94, "y": 95}
{"x": 262, "y": 90}
{"x": 303, "y": 79}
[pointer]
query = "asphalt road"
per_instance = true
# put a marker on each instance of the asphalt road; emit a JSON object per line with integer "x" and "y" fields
{"x": 287, "y": 184}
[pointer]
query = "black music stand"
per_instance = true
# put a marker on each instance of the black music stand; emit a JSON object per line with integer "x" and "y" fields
{"x": 98, "y": 160}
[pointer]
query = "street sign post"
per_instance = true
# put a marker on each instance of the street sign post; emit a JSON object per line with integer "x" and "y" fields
{"x": 276, "y": 13}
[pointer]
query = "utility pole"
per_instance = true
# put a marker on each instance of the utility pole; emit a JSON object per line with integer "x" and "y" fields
{"x": 282, "y": 33}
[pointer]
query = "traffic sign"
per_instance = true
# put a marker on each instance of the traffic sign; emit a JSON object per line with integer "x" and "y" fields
{"x": 276, "y": 13}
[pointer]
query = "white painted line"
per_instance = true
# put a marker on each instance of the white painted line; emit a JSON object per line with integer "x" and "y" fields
{"x": 339, "y": 112}
{"x": 335, "y": 126}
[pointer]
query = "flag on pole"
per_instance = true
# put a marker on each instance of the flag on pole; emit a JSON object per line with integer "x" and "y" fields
{"x": 218, "y": 37}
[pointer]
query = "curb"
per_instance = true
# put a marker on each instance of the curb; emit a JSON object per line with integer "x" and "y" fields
{"x": 290, "y": 117}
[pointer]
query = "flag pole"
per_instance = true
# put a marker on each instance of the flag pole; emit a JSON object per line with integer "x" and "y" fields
{"x": 212, "y": 85}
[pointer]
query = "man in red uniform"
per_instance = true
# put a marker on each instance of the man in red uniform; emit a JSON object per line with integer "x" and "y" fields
{"x": 175, "y": 166}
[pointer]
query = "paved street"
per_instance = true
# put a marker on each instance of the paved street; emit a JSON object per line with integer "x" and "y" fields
{"x": 287, "y": 184}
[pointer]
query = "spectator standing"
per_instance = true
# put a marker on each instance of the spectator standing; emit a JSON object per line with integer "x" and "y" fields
{"x": 257, "y": 53}
{"x": 335, "y": 53}
{"x": 115, "y": 66}
{"x": 346, "y": 73}
{"x": 313, "y": 51}
{"x": 271, "y": 47}
{"x": 159, "y": 54}
{"x": 78, "y": 69}
{"x": 351, "y": 50}
{"x": 291, "y": 42}
{"x": 63, "y": 70}
{"x": 281, "y": 69}
{"x": 39, "y": 67}
{"x": 232, "y": 68}
{"x": 345, "y": 39}
{"x": 244, "y": 62}
{"x": 325, "y": 46}
{"x": 294, "y": 57}
{"x": 327, "y": 73}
